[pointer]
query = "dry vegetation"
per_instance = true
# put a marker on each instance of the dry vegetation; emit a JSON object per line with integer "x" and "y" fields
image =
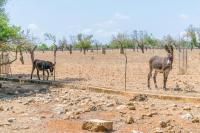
{"x": 40, "y": 108}
{"x": 108, "y": 70}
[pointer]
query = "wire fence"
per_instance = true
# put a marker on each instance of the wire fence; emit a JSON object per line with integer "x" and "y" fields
{"x": 108, "y": 70}
{"x": 4, "y": 69}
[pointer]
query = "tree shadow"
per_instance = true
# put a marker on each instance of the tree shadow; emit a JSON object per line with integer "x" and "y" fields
{"x": 64, "y": 80}
{"x": 10, "y": 89}
{"x": 13, "y": 88}
{"x": 68, "y": 80}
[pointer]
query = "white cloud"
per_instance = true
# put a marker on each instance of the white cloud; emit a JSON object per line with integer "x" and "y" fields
{"x": 184, "y": 16}
{"x": 103, "y": 30}
{"x": 121, "y": 16}
{"x": 33, "y": 27}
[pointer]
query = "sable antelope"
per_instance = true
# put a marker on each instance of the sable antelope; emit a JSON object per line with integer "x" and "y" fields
{"x": 162, "y": 65}
{"x": 42, "y": 65}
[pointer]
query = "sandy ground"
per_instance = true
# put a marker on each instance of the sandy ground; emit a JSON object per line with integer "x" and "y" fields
{"x": 40, "y": 108}
{"x": 107, "y": 71}
{"x": 45, "y": 109}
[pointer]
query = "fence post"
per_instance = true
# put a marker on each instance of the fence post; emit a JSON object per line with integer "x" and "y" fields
{"x": 125, "y": 70}
{"x": 55, "y": 50}
{"x": 186, "y": 64}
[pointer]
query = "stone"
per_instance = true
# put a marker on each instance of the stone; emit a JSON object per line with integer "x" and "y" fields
{"x": 135, "y": 131}
{"x": 29, "y": 101}
{"x": 152, "y": 114}
{"x": 195, "y": 120}
{"x": 96, "y": 125}
{"x": 11, "y": 119}
{"x": 158, "y": 130}
{"x": 109, "y": 105}
{"x": 139, "y": 98}
{"x": 131, "y": 108}
{"x": 187, "y": 116}
{"x": 1, "y": 108}
{"x": 121, "y": 107}
{"x": 93, "y": 108}
{"x": 164, "y": 124}
{"x": 59, "y": 109}
{"x": 187, "y": 108}
{"x": 129, "y": 120}
{"x": 130, "y": 104}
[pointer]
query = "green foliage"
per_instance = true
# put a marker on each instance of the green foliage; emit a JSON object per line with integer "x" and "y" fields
{"x": 151, "y": 41}
{"x": 7, "y": 32}
{"x": 43, "y": 46}
{"x": 191, "y": 33}
{"x": 52, "y": 47}
{"x": 121, "y": 40}
{"x": 2, "y": 9}
{"x": 83, "y": 41}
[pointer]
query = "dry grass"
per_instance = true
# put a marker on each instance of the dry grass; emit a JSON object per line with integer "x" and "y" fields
{"x": 107, "y": 70}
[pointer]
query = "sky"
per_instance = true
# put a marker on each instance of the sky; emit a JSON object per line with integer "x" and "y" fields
{"x": 104, "y": 18}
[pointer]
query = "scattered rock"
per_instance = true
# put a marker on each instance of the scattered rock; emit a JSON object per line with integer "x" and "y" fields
{"x": 93, "y": 108}
{"x": 121, "y": 107}
{"x": 135, "y": 131}
{"x": 130, "y": 104}
{"x": 164, "y": 124}
{"x": 4, "y": 124}
{"x": 1, "y": 108}
{"x": 59, "y": 109}
{"x": 11, "y": 119}
{"x": 29, "y": 101}
{"x": 158, "y": 130}
{"x": 96, "y": 125}
{"x": 187, "y": 116}
{"x": 152, "y": 114}
{"x": 129, "y": 120}
{"x": 174, "y": 105}
{"x": 195, "y": 120}
{"x": 187, "y": 108}
{"x": 139, "y": 98}
{"x": 42, "y": 117}
{"x": 110, "y": 105}
{"x": 131, "y": 108}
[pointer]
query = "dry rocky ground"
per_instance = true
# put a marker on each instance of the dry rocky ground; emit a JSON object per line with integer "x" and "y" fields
{"x": 95, "y": 69}
{"x": 43, "y": 109}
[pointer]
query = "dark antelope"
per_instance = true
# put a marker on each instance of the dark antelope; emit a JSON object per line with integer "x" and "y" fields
{"x": 162, "y": 65}
{"x": 42, "y": 65}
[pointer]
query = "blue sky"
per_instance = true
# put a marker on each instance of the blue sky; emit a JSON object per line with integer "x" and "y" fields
{"x": 104, "y": 18}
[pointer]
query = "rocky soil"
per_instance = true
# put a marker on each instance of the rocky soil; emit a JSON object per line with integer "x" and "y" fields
{"x": 59, "y": 109}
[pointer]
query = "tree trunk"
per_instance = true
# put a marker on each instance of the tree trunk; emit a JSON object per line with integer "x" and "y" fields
{"x": 32, "y": 54}
{"x": 104, "y": 51}
{"x": 84, "y": 51}
{"x": 21, "y": 56}
{"x": 121, "y": 50}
